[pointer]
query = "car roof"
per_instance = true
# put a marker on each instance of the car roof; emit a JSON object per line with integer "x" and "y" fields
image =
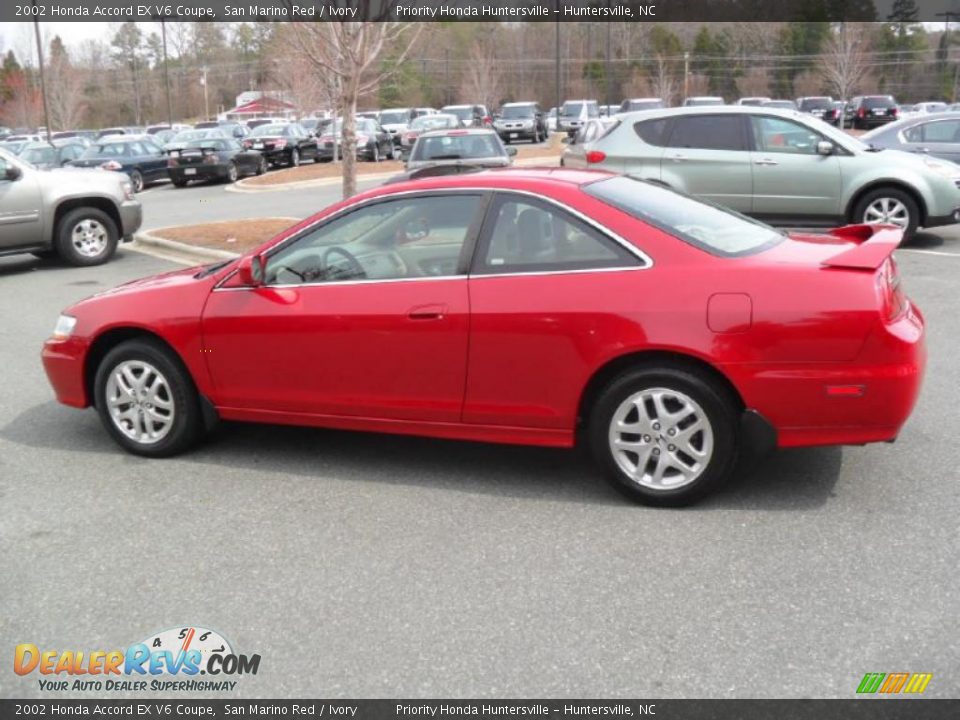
{"x": 520, "y": 103}
{"x": 532, "y": 179}
{"x": 459, "y": 131}
{"x": 715, "y": 110}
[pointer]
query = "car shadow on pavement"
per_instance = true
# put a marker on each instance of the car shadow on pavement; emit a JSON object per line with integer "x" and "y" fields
{"x": 785, "y": 480}
{"x": 923, "y": 240}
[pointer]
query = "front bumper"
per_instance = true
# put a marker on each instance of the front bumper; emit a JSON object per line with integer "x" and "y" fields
{"x": 63, "y": 362}
{"x": 131, "y": 218}
{"x": 940, "y": 220}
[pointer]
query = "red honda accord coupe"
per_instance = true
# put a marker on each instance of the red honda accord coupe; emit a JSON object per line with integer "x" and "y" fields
{"x": 540, "y": 307}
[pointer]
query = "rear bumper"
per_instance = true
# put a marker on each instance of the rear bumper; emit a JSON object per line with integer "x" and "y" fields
{"x": 63, "y": 362}
{"x": 867, "y": 400}
{"x": 203, "y": 172}
{"x": 131, "y": 218}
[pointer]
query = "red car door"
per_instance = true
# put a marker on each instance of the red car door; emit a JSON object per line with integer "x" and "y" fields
{"x": 550, "y": 295}
{"x": 364, "y": 315}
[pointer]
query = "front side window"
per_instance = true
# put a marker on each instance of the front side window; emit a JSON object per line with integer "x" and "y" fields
{"x": 712, "y": 228}
{"x": 707, "y": 132}
{"x": 776, "y": 135}
{"x": 945, "y": 131}
{"x": 409, "y": 238}
{"x": 528, "y": 235}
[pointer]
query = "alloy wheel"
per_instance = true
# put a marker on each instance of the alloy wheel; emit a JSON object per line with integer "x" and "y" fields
{"x": 140, "y": 402}
{"x": 89, "y": 237}
{"x": 887, "y": 210}
{"x": 661, "y": 439}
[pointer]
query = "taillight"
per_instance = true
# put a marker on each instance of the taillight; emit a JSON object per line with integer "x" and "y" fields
{"x": 596, "y": 156}
{"x": 172, "y": 162}
{"x": 892, "y": 297}
{"x": 281, "y": 143}
{"x": 895, "y": 111}
{"x": 247, "y": 144}
{"x": 111, "y": 165}
{"x": 210, "y": 158}
{"x": 861, "y": 112}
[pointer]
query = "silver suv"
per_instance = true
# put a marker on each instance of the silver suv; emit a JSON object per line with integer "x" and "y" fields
{"x": 782, "y": 166}
{"x": 78, "y": 215}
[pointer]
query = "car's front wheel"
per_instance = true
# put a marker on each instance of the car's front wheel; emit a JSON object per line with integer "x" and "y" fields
{"x": 147, "y": 400}
{"x": 889, "y": 206}
{"x": 86, "y": 236}
{"x": 664, "y": 436}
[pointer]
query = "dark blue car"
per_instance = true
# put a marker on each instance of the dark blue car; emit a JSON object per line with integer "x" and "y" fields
{"x": 136, "y": 155}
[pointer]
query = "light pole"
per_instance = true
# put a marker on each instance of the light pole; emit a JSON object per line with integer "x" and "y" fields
{"x": 686, "y": 73}
{"x": 206, "y": 96}
{"x": 166, "y": 72}
{"x": 43, "y": 84}
{"x": 557, "y": 52}
{"x": 606, "y": 74}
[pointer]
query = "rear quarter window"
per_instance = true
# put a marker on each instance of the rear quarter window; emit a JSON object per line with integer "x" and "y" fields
{"x": 652, "y": 132}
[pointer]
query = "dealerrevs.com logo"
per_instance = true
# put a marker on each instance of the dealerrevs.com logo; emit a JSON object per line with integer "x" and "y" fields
{"x": 172, "y": 660}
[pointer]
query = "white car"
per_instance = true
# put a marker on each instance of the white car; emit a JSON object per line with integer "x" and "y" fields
{"x": 396, "y": 121}
{"x": 703, "y": 100}
{"x": 758, "y": 100}
{"x": 925, "y": 108}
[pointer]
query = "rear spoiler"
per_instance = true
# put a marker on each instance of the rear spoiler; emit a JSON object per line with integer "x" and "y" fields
{"x": 201, "y": 148}
{"x": 875, "y": 243}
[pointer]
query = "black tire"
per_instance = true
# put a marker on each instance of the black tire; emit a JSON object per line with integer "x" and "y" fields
{"x": 187, "y": 424}
{"x": 262, "y": 166}
{"x": 233, "y": 173}
{"x": 136, "y": 179}
{"x": 719, "y": 410}
{"x": 892, "y": 193}
{"x": 45, "y": 254}
{"x": 64, "y": 237}
{"x": 294, "y": 158}
{"x": 180, "y": 183}
{"x": 376, "y": 153}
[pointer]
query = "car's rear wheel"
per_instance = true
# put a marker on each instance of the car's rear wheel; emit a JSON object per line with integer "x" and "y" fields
{"x": 233, "y": 173}
{"x": 294, "y": 158}
{"x": 136, "y": 180}
{"x": 146, "y": 399}
{"x": 262, "y": 166}
{"x": 664, "y": 436}
{"x": 888, "y": 205}
{"x": 86, "y": 236}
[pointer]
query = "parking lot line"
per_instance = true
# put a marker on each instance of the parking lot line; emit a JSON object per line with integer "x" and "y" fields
{"x": 929, "y": 252}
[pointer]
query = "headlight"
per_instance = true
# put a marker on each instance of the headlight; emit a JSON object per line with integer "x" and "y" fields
{"x": 127, "y": 190}
{"x": 64, "y": 327}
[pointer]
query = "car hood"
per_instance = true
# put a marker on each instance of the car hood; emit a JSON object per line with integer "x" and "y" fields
{"x": 472, "y": 162}
{"x": 912, "y": 160}
{"x": 71, "y": 178}
{"x": 172, "y": 279}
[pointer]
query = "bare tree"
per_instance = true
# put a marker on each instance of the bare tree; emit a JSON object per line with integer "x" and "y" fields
{"x": 347, "y": 52}
{"x": 66, "y": 89}
{"x": 843, "y": 63}
{"x": 662, "y": 82}
{"x": 482, "y": 81}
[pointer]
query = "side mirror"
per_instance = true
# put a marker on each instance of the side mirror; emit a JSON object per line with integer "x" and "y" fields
{"x": 511, "y": 150}
{"x": 12, "y": 173}
{"x": 825, "y": 148}
{"x": 250, "y": 271}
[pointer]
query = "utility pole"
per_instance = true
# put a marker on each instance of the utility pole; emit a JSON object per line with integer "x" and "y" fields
{"x": 557, "y": 63}
{"x": 43, "y": 84}
{"x": 607, "y": 77}
{"x": 206, "y": 96}
{"x": 166, "y": 72}
{"x": 686, "y": 73}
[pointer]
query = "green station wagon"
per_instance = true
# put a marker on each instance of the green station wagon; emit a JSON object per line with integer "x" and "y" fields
{"x": 782, "y": 166}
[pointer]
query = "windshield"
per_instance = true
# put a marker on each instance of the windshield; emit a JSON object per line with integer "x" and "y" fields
{"x": 394, "y": 117}
{"x": 114, "y": 149}
{"x": 457, "y": 147}
{"x": 39, "y": 155}
{"x": 710, "y": 227}
{"x": 815, "y": 103}
{"x": 571, "y": 109}
{"x": 516, "y": 111}
{"x": 267, "y": 130}
{"x": 191, "y": 135}
{"x": 875, "y": 103}
{"x": 14, "y": 146}
{"x": 697, "y": 102}
{"x": 464, "y": 112}
{"x": 430, "y": 122}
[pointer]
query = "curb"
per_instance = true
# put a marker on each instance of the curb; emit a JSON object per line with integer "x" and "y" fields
{"x": 240, "y": 187}
{"x": 179, "y": 252}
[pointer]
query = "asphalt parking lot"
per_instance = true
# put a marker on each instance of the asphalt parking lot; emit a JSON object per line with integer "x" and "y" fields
{"x": 374, "y": 566}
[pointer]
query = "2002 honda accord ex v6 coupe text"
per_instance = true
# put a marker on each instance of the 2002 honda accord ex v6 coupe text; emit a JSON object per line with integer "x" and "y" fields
{"x": 540, "y": 307}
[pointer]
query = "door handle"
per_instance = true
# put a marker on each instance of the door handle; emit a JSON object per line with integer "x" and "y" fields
{"x": 765, "y": 161}
{"x": 677, "y": 157}
{"x": 427, "y": 312}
